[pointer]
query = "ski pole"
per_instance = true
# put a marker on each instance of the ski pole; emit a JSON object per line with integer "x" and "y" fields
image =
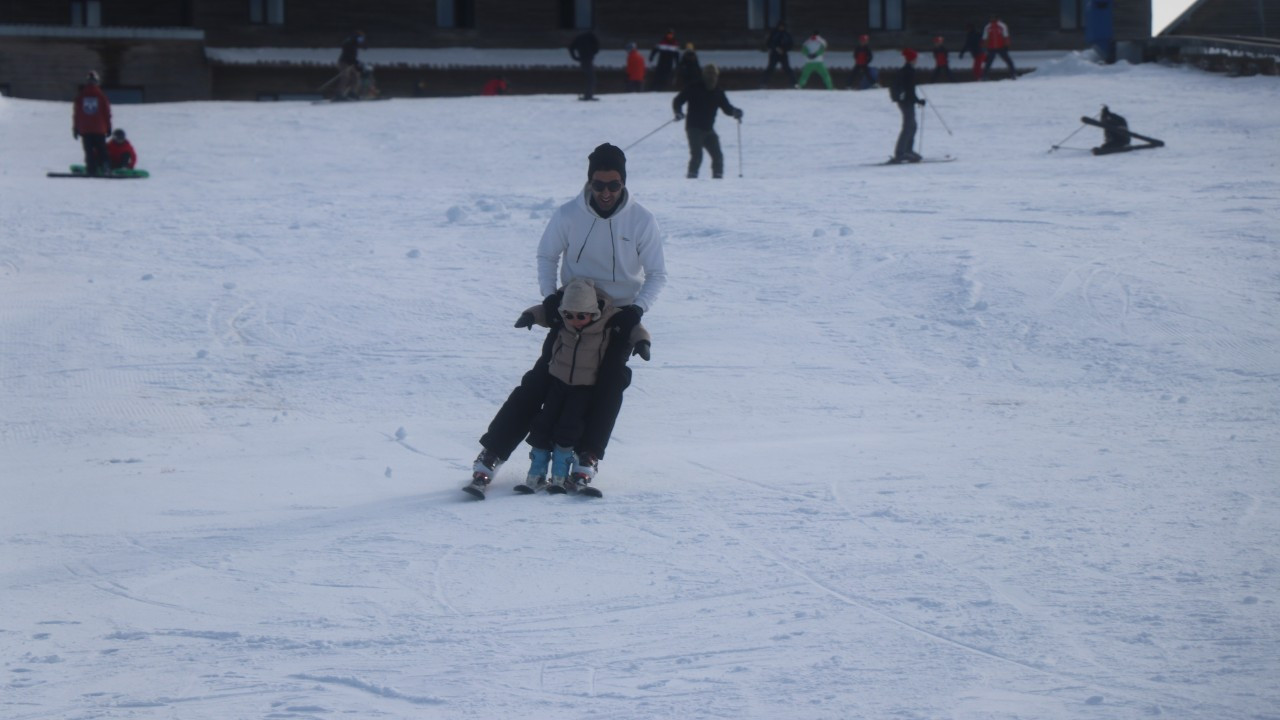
{"x": 646, "y": 137}
{"x": 935, "y": 112}
{"x": 328, "y": 82}
{"x": 740, "y": 147}
{"x": 922, "y": 119}
{"x": 1055, "y": 147}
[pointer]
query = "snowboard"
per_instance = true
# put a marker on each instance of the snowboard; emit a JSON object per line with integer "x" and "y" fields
{"x": 77, "y": 171}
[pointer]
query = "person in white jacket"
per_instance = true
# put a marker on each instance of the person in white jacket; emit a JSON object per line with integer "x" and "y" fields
{"x": 603, "y": 235}
{"x": 815, "y": 50}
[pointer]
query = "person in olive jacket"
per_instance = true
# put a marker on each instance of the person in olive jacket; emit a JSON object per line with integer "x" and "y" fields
{"x": 704, "y": 98}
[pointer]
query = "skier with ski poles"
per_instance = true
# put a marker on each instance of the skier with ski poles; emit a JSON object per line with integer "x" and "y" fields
{"x": 704, "y": 98}
{"x": 903, "y": 93}
{"x": 605, "y": 235}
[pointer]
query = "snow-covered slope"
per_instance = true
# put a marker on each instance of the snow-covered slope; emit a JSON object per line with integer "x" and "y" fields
{"x": 994, "y": 438}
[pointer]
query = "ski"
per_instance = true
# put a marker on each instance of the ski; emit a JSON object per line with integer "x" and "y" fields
{"x": 891, "y": 161}
{"x": 525, "y": 488}
{"x": 1123, "y": 148}
{"x": 474, "y": 491}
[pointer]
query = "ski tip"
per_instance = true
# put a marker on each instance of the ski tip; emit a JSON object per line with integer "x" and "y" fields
{"x": 591, "y": 492}
{"x": 474, "y": 492}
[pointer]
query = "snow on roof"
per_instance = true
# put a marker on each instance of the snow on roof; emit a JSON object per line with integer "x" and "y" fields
{"x": 534, "y": 57}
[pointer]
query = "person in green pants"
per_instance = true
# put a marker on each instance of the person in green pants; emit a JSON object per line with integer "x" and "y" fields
{"x": 814, "y": 49}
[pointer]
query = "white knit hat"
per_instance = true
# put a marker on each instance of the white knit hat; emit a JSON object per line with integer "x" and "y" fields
{"x": 580, "y": 296}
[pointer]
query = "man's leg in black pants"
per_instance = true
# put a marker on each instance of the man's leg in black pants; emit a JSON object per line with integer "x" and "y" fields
{"x": 512, "y": 422}
{"x": 614, "y": 378}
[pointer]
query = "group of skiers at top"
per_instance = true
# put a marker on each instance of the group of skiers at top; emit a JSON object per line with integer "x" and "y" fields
{"x": 984, "y": 47}
{"x": 91, "y": 125}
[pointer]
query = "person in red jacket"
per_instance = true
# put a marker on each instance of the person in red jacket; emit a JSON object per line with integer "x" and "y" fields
{"x": 863, "y": 77}
{"x": 120, "y": 151}
{"x": 996, "y": 37}
{"x": 91, "y": 124}
{"x": 635, "y": 69}
{"x": 941, "y": 65}
{"x": 495, "y": 86}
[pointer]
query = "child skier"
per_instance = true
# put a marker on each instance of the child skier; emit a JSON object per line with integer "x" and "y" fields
{"x": 578, "y": 349}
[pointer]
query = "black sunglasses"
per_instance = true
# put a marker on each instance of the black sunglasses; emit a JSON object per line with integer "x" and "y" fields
{"x": 577, "y": 316}
{"x": 611, "y": 186}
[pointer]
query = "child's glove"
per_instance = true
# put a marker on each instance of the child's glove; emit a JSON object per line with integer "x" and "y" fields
{"x": 525, "y": 320}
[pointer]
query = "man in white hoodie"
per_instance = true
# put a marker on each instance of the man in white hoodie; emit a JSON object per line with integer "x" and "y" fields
{"x": 603, "y": 235}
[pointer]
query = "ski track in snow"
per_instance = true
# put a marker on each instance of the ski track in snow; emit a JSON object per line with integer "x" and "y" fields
{"x": 990, "y": 439}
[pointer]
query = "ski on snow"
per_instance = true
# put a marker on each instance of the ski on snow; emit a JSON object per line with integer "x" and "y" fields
{"x": 891, "y": 161}
{"x": 479, "y": 493}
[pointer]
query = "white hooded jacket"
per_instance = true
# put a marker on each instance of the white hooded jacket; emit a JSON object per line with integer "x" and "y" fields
{"x": 622, "y": 253}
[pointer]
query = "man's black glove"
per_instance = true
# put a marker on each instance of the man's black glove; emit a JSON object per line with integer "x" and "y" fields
{"x": 551, "y": 305}
{"x": 525, "y": 320}
{"x": 679, "y": 116}
{"x": 75, "y": 133}
{"x": 626, "y": 319}
{"x": 641, "y": 349}
{"x": 920, "y": 103}
{"x": 737, "y": 113}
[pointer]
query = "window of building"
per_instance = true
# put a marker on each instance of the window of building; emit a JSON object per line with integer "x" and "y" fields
{"x": 456, "y": 13}
{"x": 86, "y": 13}
{"x": 266, "y": 12}
{"x": 1071, "y": 14}
{"x": 886, "y": 14}
{"x": 577, "y": 14}
{"x": 764, "y": 14}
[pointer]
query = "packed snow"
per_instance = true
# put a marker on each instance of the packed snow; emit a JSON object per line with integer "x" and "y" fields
{"x": 989, "y": 439}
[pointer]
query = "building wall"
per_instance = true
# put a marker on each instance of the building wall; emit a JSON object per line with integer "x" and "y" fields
{"x": 52, "y": 68}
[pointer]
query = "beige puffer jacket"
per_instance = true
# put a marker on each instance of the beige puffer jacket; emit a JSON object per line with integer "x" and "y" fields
{"x": 576, "y": 356}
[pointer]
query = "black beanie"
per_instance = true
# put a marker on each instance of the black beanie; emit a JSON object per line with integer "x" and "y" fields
{"x": 607, "y": 157}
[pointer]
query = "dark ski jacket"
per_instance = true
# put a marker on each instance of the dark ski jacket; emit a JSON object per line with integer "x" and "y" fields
{"x": 703, "y": 102}
{"x": 904, "y": 86}
{"x": 350, "y": 50}
{"x": 689, "y": 69}
{"x": 972, "y": 45}
{"x": 585, "y": 47}
{"x": 780, "y": 42}
{"x": 667, "y": 52}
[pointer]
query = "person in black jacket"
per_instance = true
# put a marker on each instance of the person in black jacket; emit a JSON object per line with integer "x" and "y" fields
{"x": 903, "y": 93}
{"x": 584, "y": 49}
{"x": 667, "y": 53}
{"x": 349, "y": 67}
{"x": 779, "y": 45}
{"x": 690, "y": 69}
{"x": 973, "y": 46}
{"x": 704, "y": 98}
